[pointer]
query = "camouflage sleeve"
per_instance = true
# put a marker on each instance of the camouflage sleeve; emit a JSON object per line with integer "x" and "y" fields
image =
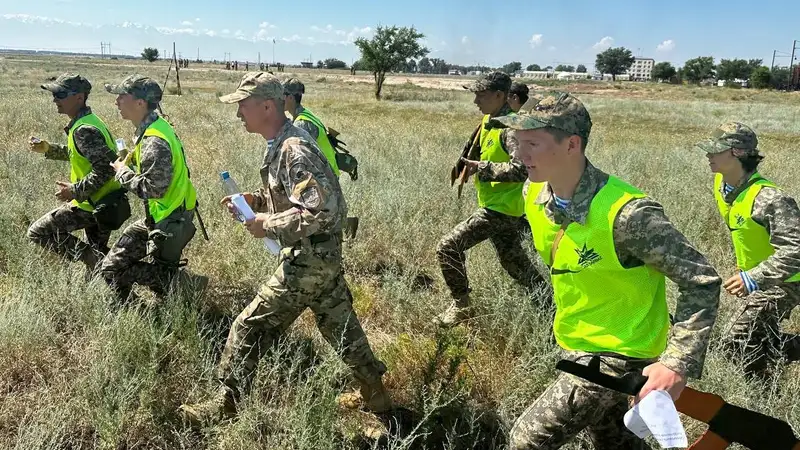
{"x": 259, "y": 201}
{"x": 778, "y": 213}
{"x": 316, "y": 205}
{"x": 644, "y": 234}
{"x": 57, "y": 152}
{"x": 156, "y": 170}
{"x": 511, "y": 172}
{"x": 309, "y": 127}
{"x": 92, "y": 145}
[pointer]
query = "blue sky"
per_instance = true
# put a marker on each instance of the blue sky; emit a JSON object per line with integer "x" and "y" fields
{"x": 464, "y": 32}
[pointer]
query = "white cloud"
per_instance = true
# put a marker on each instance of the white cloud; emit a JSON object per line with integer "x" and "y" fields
{"x": 265, "y": 25}
{"x": 666, "y": 46}
{"x": 358, "y": 32}
{"x": 294, "y": 38}
{"x": 170, "y": 30}
{"x": 30, "y": 19}
{"x": 238, "y": 33}
{"x": 604, "y": 44}
{"x": 536, "y": 40}
{"x": 197, "y": 19}
{"x": 551, "y": 48}
{"x": 187, "y": 23}
{"x": 226, "y": 31}
{"x": 211, "y": 33}
{"x": 465, "y": 40}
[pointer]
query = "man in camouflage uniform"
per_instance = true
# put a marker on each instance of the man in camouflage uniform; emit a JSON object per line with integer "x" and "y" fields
{"x": 517, "y": 95}
{"x": 765, "y": 228}
{"x": 609, "y": 248}
{"x": 90, "y": 151}
{"x": 160, "y": 178}
{"x": 499, "y": 181}
{"x": 300, "y": 204}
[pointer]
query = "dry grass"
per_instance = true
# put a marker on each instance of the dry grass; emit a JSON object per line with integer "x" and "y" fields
{"x": 75, "y": 375}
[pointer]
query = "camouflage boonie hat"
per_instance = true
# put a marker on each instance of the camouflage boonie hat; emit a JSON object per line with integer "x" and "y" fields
{"x": 293, "y": 86}
{"x": 559, "y": 110}
{"x": 731, "y": 135}
{"x": 492, "y": 81}
{"x": 68, "y": 83}
{"x": 256, "y": 84}
{"x": 139, "y": 86}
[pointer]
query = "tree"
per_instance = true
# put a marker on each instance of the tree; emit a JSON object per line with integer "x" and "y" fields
{"x": 320, "y": 64}
{"x": 548, "y": 68}
{"x": 564, "y": 68}
{"x": 512, "y": 67}
{"x": 440, "y": 66}
{"x": 534, "y": 68}
{"x": 663, "y": 71}
{"x": 411, "y": 65}
{"x": 425, "y": 65}
{"x": 150, "y": 54}
{"x": 581, "y": 69}
{"x": 698, "y": 69}
{"x": 761, "y": 78}
{"x": 359, "y": 65}
{"x": 333, "y": 63}
{"x": 388, "y": 47}
{"x": 614, "y": 61}
{"x": 780, "y": 77}
{"x": 731, "y": 69}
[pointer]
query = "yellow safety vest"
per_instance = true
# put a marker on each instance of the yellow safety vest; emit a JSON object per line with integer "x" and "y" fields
{"x": 80, "y": 167}
{"x": 323, "y": 142}
{"x": 180, "y": 192}
{"x": 750, "y": 239}
{"x": 502, "y": 197}
{"x": 601, "y": 306}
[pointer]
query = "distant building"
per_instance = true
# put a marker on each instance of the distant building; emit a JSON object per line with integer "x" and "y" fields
{"x": 641, "y": 69}
{"x": 307, "y": 64}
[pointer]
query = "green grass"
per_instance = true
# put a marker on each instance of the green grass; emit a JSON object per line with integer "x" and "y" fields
{"x": 75, "y": 374}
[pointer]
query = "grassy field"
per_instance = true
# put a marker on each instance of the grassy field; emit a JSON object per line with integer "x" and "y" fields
{"x": 75, "y": 375}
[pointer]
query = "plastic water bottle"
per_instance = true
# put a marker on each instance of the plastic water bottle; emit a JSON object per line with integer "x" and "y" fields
{"x": 122, "y": 149}
{"x": 243, "y": 210}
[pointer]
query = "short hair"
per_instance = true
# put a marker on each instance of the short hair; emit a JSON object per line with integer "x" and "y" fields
{"x": 559, "y": 135}
{"x": 750, "y": 161}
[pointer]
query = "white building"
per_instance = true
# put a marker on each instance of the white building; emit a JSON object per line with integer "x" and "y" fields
{"x": 641, "y": 69}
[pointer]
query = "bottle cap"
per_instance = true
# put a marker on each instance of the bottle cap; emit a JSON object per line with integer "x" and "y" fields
{"x": 224, "y": 175}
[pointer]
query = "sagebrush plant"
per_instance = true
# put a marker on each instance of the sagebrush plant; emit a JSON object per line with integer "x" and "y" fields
{"x": 76, "y": 374}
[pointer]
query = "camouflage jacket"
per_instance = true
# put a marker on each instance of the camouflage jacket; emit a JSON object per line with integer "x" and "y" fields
{"x": 778, "y": 213}
{"x": 510, "y": 172}
{"x": 92, "y": 145}
{"x": 644, "y": 235}
{"x": 153, "y": 180}
{"x": 306, "y": 125}
{"x": 300, "y": 192}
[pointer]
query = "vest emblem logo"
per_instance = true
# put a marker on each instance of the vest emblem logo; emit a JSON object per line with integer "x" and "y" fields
{"x": 739, "y": 220}
{"x": 490, "y": 143}
{"x": 587, "y": 257}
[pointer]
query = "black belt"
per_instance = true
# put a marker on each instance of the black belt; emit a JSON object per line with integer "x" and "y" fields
{"x": 320, "y": 238}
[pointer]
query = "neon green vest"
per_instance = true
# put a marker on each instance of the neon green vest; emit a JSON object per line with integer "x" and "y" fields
{"x": 750, "y": 240}
{"x": 80, "y": 167}
{"x": 504, "y": 198}
{"x": 322, "y": 139}
{"x": 600, "y": 305}
{"x": 180, "y": 190}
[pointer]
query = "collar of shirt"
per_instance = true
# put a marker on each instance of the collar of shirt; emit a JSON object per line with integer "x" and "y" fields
{"x": 148, "y": 120}
{"x": 592, "y": 180}
{"x": 85, "y": 111}
{"x": 731, "y": 195}
{"x": 277, "y": 140}
{"x": 504, "y": 111}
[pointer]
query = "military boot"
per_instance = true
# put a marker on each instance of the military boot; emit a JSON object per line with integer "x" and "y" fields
{"x": 458, "y": 311}
{"x": 220, "y": 407}
{"x": 372, "y": 397}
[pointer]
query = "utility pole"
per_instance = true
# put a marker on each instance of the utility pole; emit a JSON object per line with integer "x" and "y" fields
{"x": 259, "y": 59}
{"x": 791, "y": 66}
{"x": 198, "y": 54}
{"x": 273, "y": 51}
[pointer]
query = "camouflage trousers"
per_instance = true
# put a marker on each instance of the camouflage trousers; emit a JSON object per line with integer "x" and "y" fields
{"x": 754, "y": 334}
{"x": 309, "y": 276}
{"x": 54, "y": 231}
{"x": 164, "y": 242}
{"x": 571, "y": 404}
{"x": 505, "y": 234}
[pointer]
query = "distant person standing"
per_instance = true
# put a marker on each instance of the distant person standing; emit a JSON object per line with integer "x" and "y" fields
{"x": 90, "y": 149}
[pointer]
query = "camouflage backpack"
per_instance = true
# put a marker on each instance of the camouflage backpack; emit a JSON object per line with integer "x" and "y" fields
{"x": 346, "y": 161}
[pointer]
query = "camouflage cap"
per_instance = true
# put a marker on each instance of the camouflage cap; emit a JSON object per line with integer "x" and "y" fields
{"x": 139, "y": 86}
{"x": 730, "y": 135}
{"x": 68, "y": 83}
{"x": 256, "y": 84}
{"x": 491, "y": 81}
{"x": 293, "y": 86}
{"x": 559, "y": 110}
{"x": 519, "y": 88}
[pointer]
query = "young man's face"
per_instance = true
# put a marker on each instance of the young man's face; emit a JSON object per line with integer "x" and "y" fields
{"x": 253, "y": 113}
{"x": 543, "y": 155}
{"x": 723, "y": 162}
{"x": 489, "y": 101}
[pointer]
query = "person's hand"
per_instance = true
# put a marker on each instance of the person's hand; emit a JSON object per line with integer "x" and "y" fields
{"x": 256, "y": 226}
{"x": 119, "y": 164}
{"x": 735, "y": 286}
{"x": 64, "y": 192}
{"x": 38, "y": 145}
{"x": 470, "y": 166}
{"x": 661, "y": 378}
{"x": 228, "y": 203}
